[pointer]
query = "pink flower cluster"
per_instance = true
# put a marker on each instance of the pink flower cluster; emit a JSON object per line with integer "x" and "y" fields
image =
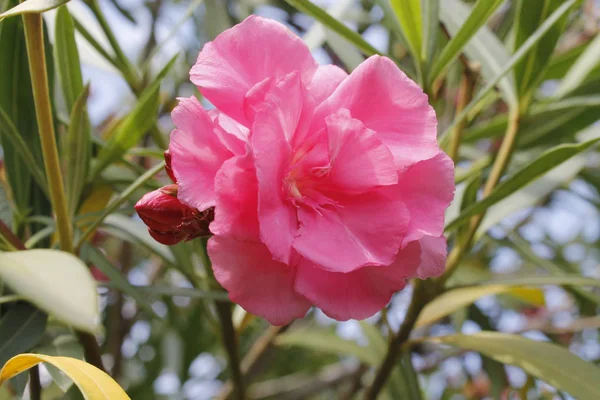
{"x": 328, "y": 189}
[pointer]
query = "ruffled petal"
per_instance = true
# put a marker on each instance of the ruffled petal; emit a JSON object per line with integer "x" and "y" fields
{"x": 239, "y": 58}
{"x": 358, "y": 294}
{"x": 236, "y": 210}
{"x": 383, "y": 98}
{"x": 196, "y": 154}
{"x": 359, "y": 160}
{"x": 366, "y": 229}
{"x": 255, "y": 281}
{"x": 325, "y": 81}
{"x": 427, "y": 188}
{"x": 275, "y": 124}
{"x": 433, "y": 256}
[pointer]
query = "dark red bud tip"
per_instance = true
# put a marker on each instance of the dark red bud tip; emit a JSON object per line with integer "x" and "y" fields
{"x": 170, "y": 221}
{"x": 168, "y": 166}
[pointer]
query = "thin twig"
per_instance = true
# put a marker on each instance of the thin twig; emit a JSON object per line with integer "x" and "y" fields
{"x": 231, "y": 347}
{"x": 10, "y": 237}
{"x": 465, "y": 94}
{"x": 35, "y": 386}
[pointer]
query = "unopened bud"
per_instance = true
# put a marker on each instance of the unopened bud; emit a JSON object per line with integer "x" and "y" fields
{"x": 170, "y": 221}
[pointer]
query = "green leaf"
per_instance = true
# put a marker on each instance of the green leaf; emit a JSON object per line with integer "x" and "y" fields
{"x": 77, "y": 151}
{"x": 516, "y": 57}
{"x": 62, "y": 346}
{"x": 483, "y": 46}
{"x": 408, "y": 13}
{"x": 546, "y": 361}
{"x": 327, "y": 342}
{"x": 309, "y": 8}
{"x": 21, "y": 328}
{"x": 528, "y": 16}
{"x": 431, "y": 16}
{"x": 66, "y": 57}
{"x": 564, "y": 280}
{"x": 588, "y": 60}
{"x": 455, "y": 299}
{"x": 131, "y": 129}
{"x": 532, "y": 194}
{"x": 135, "y": 230}
{"x": 96, "y": 258}
{"x": 55, "y": 281}
{"x": 548, "y": 160}
{"x": 22, "y": 149}
{"x": 32, "y": 7}
{"x": 467, "y": 29}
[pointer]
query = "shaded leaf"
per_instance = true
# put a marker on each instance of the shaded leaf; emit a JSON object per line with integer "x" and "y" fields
{"x": 21, "y": 328}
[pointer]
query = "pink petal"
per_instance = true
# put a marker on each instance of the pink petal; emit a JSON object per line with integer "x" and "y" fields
{"x": 325, "y": 81}
{"x": 237, "y": 200}
{"x": 358, "y": 294}
{"x": 233, "y": 135}
{"x": 383, "y": 98}
{"x": 359, "y": 160}
{"x": 427, "y": 189}
{"x": 433, "y": 256}
{"x": 255, "y": 281}
{"x": 274, "y": 126}
{"x": 239, "y": 58}
{"x": 366, "y": 229}
{"x": 196, "y": 154}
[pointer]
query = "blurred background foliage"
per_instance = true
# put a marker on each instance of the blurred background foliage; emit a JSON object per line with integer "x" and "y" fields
{"x": 517, "y": 79}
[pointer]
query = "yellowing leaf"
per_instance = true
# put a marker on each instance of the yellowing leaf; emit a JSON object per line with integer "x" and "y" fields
{"x": 55, "y": 281}
{"x": 93, "y": 383}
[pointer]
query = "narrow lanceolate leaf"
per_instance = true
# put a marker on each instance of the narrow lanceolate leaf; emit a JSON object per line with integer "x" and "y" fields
{"x": 96, "y": 258}
{"x": 588, "y": 60}
{"x": 77, "y": 151}
{"x": 55, "y": 281}
{"x": 455, "y": 299}
{"x": 93, "y": 383}
{"x": 66, "y": 57}
{"x": 478, "y": 42}
{"x": 32, "y": 7}
{"x": 544, "y": 360}
{"x": 431, "y": 15}
{"x": 409, "y": 17}
{"x": 478, "y": 17}
{"x": 131, "y": 129}
{"x": 528, "y": 16}
{"x": 309, "y": 8}
{"x": 327, "y": 342}
{"x": 548, "y": 160}
{"x": 21, "y": 328}
{"x": 516, "y": 57}
{"x": 22, "y": 150}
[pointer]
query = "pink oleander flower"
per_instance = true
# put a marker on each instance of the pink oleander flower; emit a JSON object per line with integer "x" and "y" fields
{"x": 329, "y": 189}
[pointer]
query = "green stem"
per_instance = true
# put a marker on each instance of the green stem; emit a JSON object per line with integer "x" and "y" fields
{"x": 467, "y": 84}
{"x": 418, "y": 302}
{"x": 231, "y": 347}
{"x": 35, "y": 386}
{"x": 34, "y": 37}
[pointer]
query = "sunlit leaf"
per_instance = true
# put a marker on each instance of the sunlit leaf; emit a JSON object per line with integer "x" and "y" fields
{"x": 467, "y": 29}
{"x": 327, "y": 20}
{"x": 576, "y": 74}
{"x": 55, "y": 281}
{"x": 32, "y": 7}
{"x": 93, "y": 383}
{"x": 546, "y": 361}
{"x": 519, "y": 179}
{"x": 409, "y": 17}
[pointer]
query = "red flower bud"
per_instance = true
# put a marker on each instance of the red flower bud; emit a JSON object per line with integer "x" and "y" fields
{"x": 170, "y": 221}
{"x": 168, "y": 166}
